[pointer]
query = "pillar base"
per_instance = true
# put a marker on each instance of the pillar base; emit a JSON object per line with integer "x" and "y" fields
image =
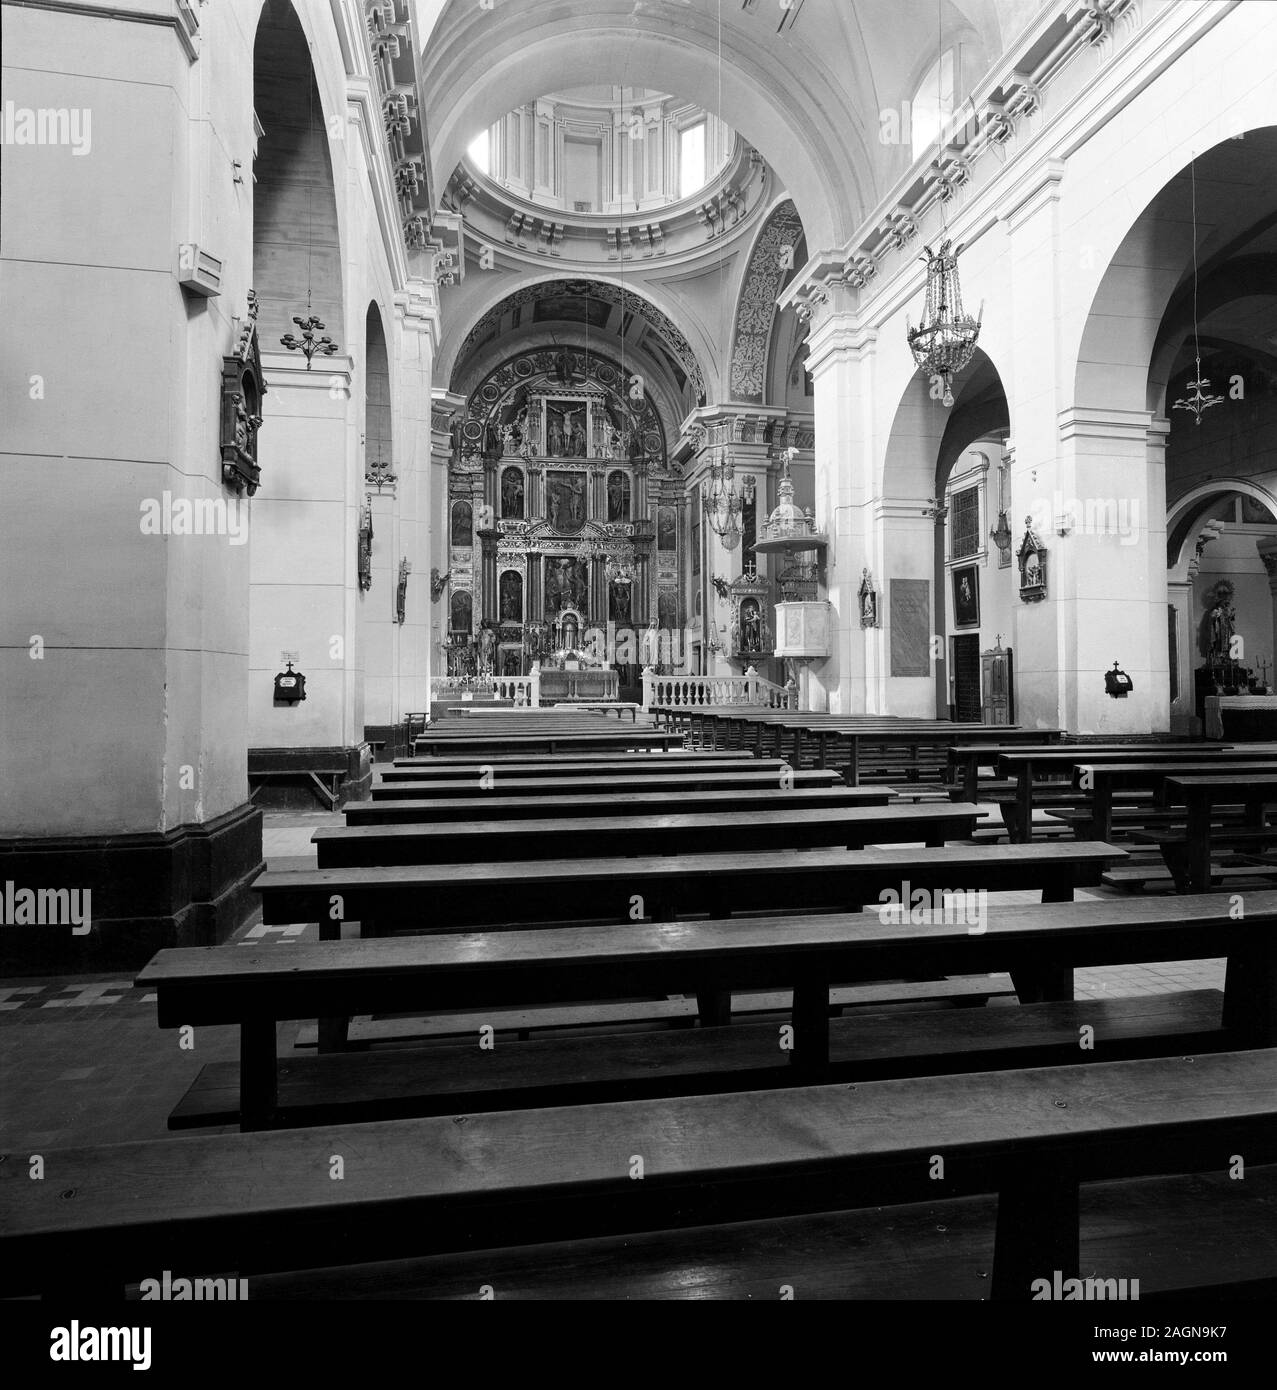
{"x": 189, "y": 886}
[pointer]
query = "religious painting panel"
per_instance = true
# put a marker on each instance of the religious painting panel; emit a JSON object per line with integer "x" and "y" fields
{"x": 667, "y": 609}
{"x": 618, "y": 496}
{"x": 462, "y": 524}
{"x": 512, "y": 493}
{"x": 966, "y": 596}
{"x": 666, "y": 528}
{"x": 565, "y": 429}
{"x": 461, "y": 611}
{"x": 566, "y": 502}
{"x": 567, "y": 585}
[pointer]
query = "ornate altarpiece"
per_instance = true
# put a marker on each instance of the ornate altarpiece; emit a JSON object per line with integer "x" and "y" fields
{"x": 553, "y": 443}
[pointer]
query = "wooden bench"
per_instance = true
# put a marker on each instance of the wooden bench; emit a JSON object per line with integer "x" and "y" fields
{"x": 605, "y": 707}
{"x": 966, "y": 759}
{"x": 497, "y": 806}
{"x": 1104, "y": 780}
{"x": 520, "y": 893}
{"x": 601, "y": 784}
{"x": 1040, "y": 947}
{"x": 1181, "y": 1237}
{"x": 1189, "y": 852}
{"x": 433, "y": 742}
{"x": 107, "y": 1216}
{"x": 661, "y": 765}
{"x": 714, "y": 959}
{"x": 779, "y": 827}
{"x": 1025, "y": 768}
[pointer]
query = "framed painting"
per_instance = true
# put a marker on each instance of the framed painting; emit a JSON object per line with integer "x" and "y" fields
{"x": 966, "y": 596}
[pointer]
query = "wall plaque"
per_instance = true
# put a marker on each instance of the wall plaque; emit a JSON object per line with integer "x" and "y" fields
{"x": 910, "y": 618}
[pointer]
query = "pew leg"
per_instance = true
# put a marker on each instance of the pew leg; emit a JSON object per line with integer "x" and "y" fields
{"x": 714, "y": 1007}
{"x": 1037, "y": 1233}
{"x": 1046, "y": 982}
{"x": 810, "y": 1055}
{"x": 333, "y": 1034}
{"x": 257, "y": 1079}
{"x": 1250, "y": 996}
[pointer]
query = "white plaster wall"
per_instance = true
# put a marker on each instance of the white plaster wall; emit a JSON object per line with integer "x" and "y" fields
{"x": 1036, "y": 249}
{"x": 141, "y": 686}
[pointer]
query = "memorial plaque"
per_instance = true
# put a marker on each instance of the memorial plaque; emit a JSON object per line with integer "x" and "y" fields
{"x": 910, "y": 627}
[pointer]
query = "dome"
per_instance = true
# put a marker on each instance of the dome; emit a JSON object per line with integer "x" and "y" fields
{"x": 604, "y": 150}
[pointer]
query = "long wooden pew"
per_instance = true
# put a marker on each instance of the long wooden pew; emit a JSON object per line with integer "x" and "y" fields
{"x": 807, "y": 955}
{"x": 1100, "y": 781}
{"x": 967, "y": 758}
{"x": 434, "y": 741}
{"x": 1027, "y": 767}
{"x": 602, "y": 784}
{"x": 662, "y": 765}
{"x": 107, "y": 1216}
{"x": 497, "y": 806}
{"x": 488, "y": 840}
{"x": 1189, "y": 852}
{"x": 457, "y": 897}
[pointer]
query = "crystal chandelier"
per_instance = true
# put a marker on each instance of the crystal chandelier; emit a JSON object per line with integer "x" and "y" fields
{"x": 721, "y": 501}
{"x": 943, "y": 342}
{"x": 1202, "y": 398}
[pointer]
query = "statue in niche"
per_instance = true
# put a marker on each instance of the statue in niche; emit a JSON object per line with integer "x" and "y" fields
{"x": 557, "y": 594}
{"x": 751, "y": 626}
{"x": 619, "y": 603}
{"x": 578, "y": 584}
{"x": 618, "y": 497}
{"x": 511, "y": 597}
{"x": 554, "y": 435}
{"x": 1222, "y": 624}
{"x": 576, "y": 438}
{"x": 512, "y": 493}
{"x": 487, "y": 650}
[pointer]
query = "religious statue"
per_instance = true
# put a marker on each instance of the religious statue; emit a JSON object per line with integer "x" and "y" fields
{"x": 512, "y": 493}
{"x": 554, "y": 436}
{"x": 751, "y": 626}
{"x": 511, "y": 598}
{"x": 487, "y": 650}
{"x": 618, "y": 501}
{"x": 578, "y": 435}
{"x": 1221, "y": 628}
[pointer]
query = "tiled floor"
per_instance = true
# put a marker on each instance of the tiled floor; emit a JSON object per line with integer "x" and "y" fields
{"x": 83, "y": 1060}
